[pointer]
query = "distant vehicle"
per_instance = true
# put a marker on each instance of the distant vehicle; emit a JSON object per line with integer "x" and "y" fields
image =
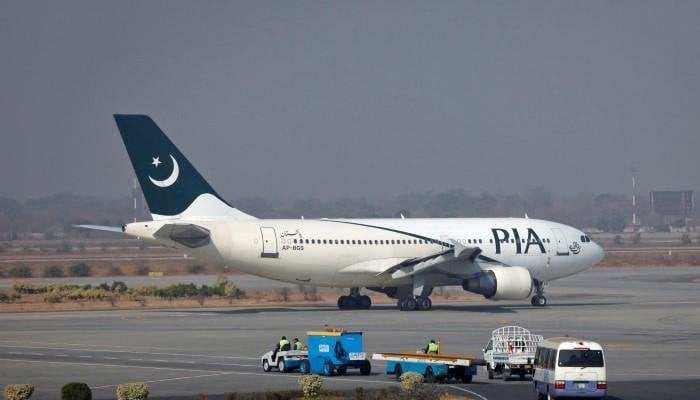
{"x": 404, "y": 258}
{"x": 511, "y": 352}
{"x": 285, "y": 361}
{"x": 571, "y": 368}
{"x": 433, "y": 367}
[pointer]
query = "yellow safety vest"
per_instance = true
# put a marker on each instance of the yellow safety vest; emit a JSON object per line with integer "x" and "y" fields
{"x": 432, "y": 348}
{"x": 283, "y": 343}
{"x": 298, "y": 346}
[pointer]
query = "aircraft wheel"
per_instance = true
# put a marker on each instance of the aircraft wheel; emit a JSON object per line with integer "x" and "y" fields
{"x": 365, "y": 302}
{"x": 539, "y": 301}
{"x": 343, "y": 302}
{"x": 424, "y": 303}
{"x": 410, "y": 304}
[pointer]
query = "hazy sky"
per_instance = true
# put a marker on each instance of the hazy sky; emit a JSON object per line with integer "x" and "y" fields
{"x": 354, "y": 98}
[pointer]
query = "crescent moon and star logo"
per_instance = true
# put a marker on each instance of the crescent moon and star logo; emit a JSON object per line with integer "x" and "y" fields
{"x": 170, "y": 180}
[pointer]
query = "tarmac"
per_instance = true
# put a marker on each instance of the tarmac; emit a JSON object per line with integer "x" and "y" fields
{"x": 647, "y": 319}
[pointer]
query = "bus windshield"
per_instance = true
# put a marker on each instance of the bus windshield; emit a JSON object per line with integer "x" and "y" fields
{"x": 580, "y": 358}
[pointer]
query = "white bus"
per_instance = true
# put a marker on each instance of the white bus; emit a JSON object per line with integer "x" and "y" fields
{"x": 569, "y": 367}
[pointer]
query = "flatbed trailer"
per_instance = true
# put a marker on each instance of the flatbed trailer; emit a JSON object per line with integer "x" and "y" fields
{"x": 433, "y": 367}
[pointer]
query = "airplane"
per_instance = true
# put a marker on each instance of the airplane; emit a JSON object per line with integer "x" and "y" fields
{"x": 404, "y": 258}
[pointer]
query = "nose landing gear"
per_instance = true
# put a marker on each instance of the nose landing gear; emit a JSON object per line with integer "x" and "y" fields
{"x": 538, "y": 300}
{"x": 354, "y": 301}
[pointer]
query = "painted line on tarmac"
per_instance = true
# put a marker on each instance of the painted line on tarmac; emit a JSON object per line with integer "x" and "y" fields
{"x": 166, "y": 380}
{"x": 468, "y": 391}
{"x": 129, "y": 352}
{"x": 213, "y": 373}
{"x": 109, "y": 365}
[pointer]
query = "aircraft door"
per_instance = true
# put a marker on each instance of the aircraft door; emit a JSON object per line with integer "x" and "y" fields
{"x": 269, "y": 242}
{"x": 561, "y": 243}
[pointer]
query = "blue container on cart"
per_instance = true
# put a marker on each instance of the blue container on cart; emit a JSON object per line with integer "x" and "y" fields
{"x": 333, "y": 352}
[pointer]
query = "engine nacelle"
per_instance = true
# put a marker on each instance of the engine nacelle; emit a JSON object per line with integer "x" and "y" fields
{"x": 501, "y": 283}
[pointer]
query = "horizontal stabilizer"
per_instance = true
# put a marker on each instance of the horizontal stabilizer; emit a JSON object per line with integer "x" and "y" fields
{"x": 117, "y": 229}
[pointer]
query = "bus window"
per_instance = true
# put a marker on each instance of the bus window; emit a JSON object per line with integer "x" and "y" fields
{"x": 580, "y": 358}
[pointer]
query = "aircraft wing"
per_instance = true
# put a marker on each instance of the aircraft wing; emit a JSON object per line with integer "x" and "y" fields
{"x": 403, "y": 267}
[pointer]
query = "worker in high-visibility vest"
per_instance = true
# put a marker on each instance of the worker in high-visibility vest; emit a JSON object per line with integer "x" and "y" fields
{"x": 432, "y": 348}
{"x": 298, "y": 345}
{"x": 282, "y": 345}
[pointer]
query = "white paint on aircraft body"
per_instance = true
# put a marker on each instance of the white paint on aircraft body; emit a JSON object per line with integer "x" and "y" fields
{"x": 240, "y": 244}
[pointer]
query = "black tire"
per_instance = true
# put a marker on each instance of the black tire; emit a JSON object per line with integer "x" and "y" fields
{"x": 398, "y": 371}
{"x": 424, "y": 303}
{"x": 429, "y": 376}
{"x": 365, "y": 368}
{"x": 506, "y": 373}
{"x": 489, "y": 371}
{"x": 328, "y": 368}
{"x": 342, "y": 370}
{"x": 466, "y": 378}
{"x": 343, "y": 302}
{"x": 522, "y": 376}
{"x": 365, "y": 302}
{"x": 399, "y": 304}
{"x": 541, "y": 301}
{"x": 410, "y": 304}
{"x": 266, "y": 366}
{"x": 281, "y": 366}
{"x": 533, "y": 301}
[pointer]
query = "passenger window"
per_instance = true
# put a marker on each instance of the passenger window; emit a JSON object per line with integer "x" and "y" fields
{"x": 490, "y": 240}
{"x": 479, "y": 241}
{"x": 313, "y": 241}
{"x": 342, "y": 241}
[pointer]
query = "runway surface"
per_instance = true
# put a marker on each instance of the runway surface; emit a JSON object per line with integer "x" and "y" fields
{"x": 648, "y": 320}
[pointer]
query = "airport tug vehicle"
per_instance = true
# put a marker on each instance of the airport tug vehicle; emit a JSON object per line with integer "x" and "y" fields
{"x": 333, "y": 352}
{"x": 433, "y": 367}
{"x": 284, "y": 361}
{"x": 511, "y": 352}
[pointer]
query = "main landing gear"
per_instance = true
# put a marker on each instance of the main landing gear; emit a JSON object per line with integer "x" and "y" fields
{"x": 419, "y": 299}
{"x": 354, "y": 301}
{"x": 538, "y": 300}
{"x": 413, "y": 303}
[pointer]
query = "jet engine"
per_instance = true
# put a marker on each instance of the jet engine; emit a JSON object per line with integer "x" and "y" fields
{"x": 501, "y": 283}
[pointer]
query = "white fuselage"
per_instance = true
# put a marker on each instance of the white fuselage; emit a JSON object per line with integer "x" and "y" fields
{"x": 356, "y": 252}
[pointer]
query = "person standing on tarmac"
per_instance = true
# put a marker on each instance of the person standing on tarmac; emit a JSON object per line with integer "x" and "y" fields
{"x": 297, "y": 344}
{"x": 431, "y": 348}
